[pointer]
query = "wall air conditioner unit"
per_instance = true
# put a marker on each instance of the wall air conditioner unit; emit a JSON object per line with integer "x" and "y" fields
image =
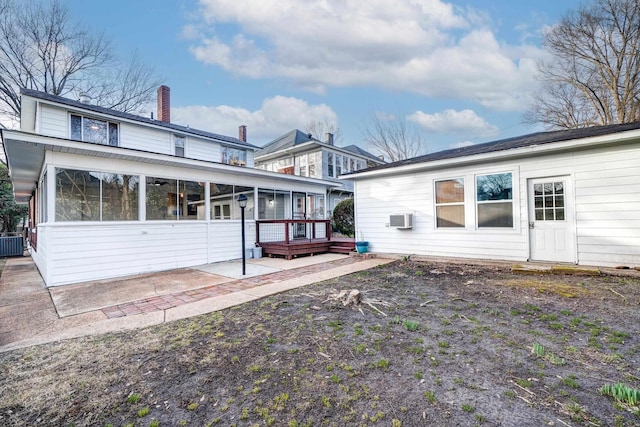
{"x": 401, "y": 221}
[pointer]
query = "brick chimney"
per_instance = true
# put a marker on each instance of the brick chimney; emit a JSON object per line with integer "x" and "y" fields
{"x": 242, "y": 133}
{"x": 164, "y": 104}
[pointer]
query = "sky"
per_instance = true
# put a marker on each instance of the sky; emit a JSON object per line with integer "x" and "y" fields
{"x": 461, "y": 72}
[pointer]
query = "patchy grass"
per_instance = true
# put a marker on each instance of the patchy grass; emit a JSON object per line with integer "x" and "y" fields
{"x": 444, "y": 344}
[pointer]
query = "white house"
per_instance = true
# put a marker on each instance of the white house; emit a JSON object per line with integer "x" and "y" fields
{"x": 114, "y": 194}
{"x": 299, "y": 153}
{"x": 564, "y": 196}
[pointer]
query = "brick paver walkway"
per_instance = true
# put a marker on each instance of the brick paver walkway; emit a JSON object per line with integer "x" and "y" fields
{"x": 163, "y": 302}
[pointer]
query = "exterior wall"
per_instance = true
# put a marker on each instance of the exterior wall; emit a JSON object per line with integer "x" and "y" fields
{"x": 606, "y": 201}
{"x": 203, "y": 150}
{"x": 145, "y": 139}
{"x": 53, "y": 121}
{"x": 105, "y": 250}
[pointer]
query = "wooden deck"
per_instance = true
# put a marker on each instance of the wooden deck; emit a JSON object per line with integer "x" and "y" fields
{"x": 291, "y": 238}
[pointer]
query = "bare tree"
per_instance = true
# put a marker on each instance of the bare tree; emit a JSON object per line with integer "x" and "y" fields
{"x": 393, "y": 137}
{"x": 594, "y": 75}
{"x": 319, "y": 129}
{"x": 42, "y": 49}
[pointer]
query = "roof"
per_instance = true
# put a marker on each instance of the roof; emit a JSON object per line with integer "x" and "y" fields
{"x": 364, "y": 153}
{"x": 288, "y": 140}
{"x": 135, "y": 118}
{"x": 296, "y": 137}
{"x": 530, "y": 140}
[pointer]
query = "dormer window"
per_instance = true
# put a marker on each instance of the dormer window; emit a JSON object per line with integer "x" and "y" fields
{"x": 178, "y": 144}
{"x": 96, "y": 131}
{"x": 234, "y": 156}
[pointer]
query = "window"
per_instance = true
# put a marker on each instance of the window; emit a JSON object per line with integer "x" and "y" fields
{"x": 178, "y": 144}
{"x": 93, "y": 130}
{"x": 330, "y": 164}
{"x": 224, "y": 201}
{"x": 338, "y": 165}
{"x": 549, "y": 201}
{"x": 96, "y": 196}
{"x": 273, "y": 204}
{"x": 345, "y": 164}
{"x": 450, "y": 203}
{"x": 494, "y": 198}
{"x": 171, "y": 199}
{"x": 234, "y": 156}
{"x": 301, "y": 162}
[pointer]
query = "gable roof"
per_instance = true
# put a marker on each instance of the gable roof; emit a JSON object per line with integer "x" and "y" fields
{"x": 133, "y": 117}
{"x": 296, "y": 137}
{"x": 530, "y": 140}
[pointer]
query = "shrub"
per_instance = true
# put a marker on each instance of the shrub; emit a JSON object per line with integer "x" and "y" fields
{"x": 343, "y": 218}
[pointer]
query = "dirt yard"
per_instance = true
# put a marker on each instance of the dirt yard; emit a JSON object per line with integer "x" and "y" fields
{"x": 426, "y": 345}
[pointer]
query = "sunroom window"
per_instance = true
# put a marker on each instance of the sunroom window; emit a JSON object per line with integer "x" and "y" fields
{"x": 494, "y": 200}
{"x": 89, "y": 129}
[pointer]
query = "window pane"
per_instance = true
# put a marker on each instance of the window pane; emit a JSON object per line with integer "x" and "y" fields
{"x": 559, "y": 187}
{"x": 248, "y": 211}
{"x": 221, "y": 200}
{"x": 495, "y": 214}
{"x": 537, "y": 189}
{"x": 266, "y": 204}
{"x": 191, "y": 200}
{"x": 94, "y": 130}
{"x": 76, "y": 128}
{"x": 119, "y": 197}
{"x": 450, "y": 216}
{"x": 234, "y": 156}
{"x": 559, "y": 214}
{"x": 494, "y": 187}
{"x": 539, "y": 215}
{"x": 330, "y": 164}
{"x": 113, "y": 134}
{"x": 77, "y": 195}
{"x": 450, "y": 191}
{"x": 162, "y": 198}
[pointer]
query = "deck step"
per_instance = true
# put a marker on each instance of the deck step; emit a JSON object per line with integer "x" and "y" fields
{"x": 340, "y": 249}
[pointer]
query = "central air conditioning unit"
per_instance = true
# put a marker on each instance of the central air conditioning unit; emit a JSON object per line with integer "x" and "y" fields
{"x": 401, "y": 221}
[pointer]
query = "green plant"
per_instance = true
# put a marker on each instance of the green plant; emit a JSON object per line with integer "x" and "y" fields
{"x": 154, "y": 423}
{"x": 143, "y": 412}
{"x": 622, "y": 393}
{"x": 467, "y": 408}
{"x": 193, "y": 406}
{"x": 411, "y": 325}
{"x": 431, "y": 397}
{"x": 133, "y": 398}
{"x": 571, "y": 381}
{"x": 343, "y": 218}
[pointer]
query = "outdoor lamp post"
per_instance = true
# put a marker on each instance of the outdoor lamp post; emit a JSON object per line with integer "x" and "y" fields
{"x": 242, "y": 202}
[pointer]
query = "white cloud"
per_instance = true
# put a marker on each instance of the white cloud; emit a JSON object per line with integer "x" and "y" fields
{"x": 428, "y": 47}
{"x": 464, "y": 122}
{"x": 275, "y": 117}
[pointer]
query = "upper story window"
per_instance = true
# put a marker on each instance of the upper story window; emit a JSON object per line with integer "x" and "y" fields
{"x": 234, "y": 156}
{"x": 330, "y": 164}
{"x": 178, "y": 144}
{"x": 89, "y": 129}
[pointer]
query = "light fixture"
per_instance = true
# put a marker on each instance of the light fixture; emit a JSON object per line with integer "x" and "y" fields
{"x": 242, "y": 201}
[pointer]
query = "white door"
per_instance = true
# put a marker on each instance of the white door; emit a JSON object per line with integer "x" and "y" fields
{"x": 551, "y": 220}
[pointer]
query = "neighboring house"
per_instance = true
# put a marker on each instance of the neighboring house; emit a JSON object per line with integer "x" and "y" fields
{"x": 565, "y": 196}
{"x": 114, "y": 194}
{"x": 299, "y": 153}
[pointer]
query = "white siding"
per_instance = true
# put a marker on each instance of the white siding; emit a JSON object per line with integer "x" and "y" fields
{"x": 54, "y": 121}
{"x": 606, "y": 183}
{"x": 146, "y": 139}
{"x": 99, "y": 251}
{"x": 201, "y": 149}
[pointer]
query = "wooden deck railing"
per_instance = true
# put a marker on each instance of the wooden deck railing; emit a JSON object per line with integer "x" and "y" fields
{"x": 292, "y": 230}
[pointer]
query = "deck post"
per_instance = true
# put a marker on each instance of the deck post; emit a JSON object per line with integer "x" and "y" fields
{"x": 286, "y": 232}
